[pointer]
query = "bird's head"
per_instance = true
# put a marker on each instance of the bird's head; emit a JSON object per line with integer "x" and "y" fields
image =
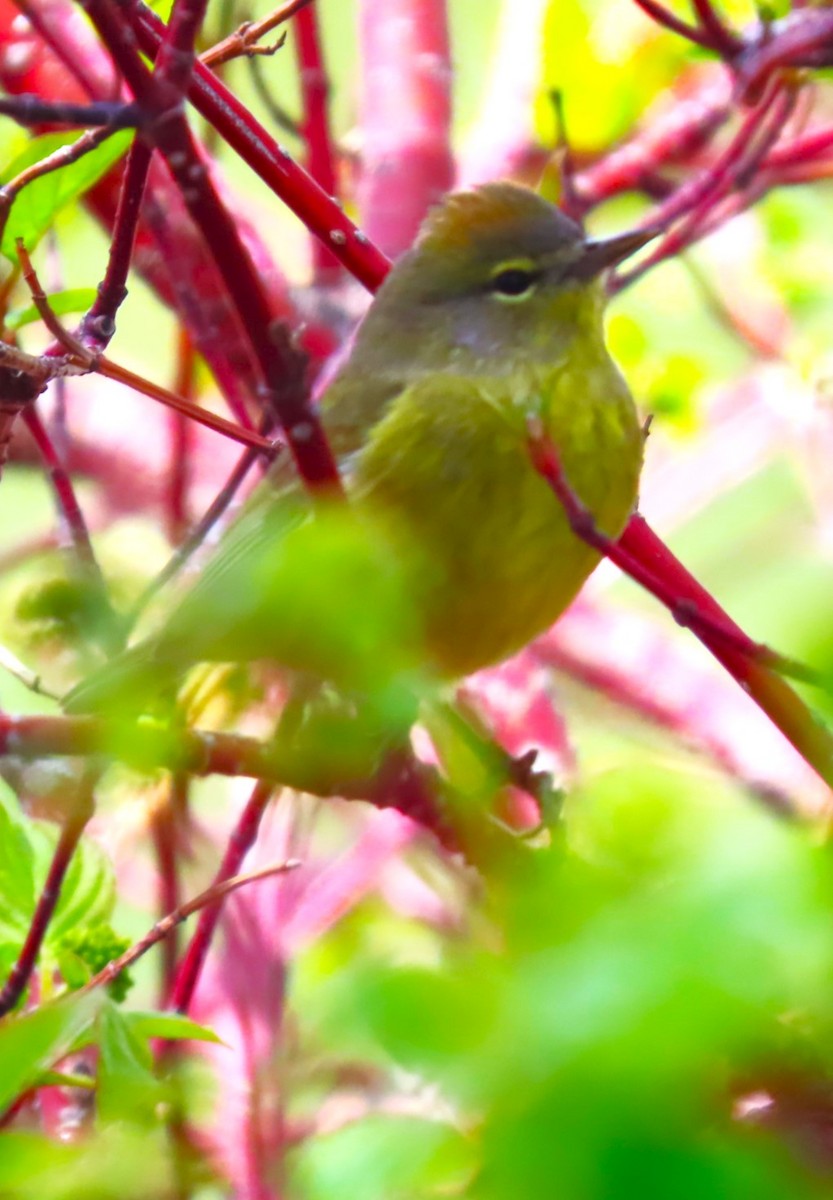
{"x": 496, "y": 272}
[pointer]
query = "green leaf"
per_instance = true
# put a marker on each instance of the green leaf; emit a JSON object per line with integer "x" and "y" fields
{"x": 169, "y": 1025}
{"x": 87, "y": 949}
{"x": 17, "y": 886}
{"x": 382, "y": 1157}
{"x": 35, "y": 208}
{"x": 128, "y": 1089}
{"x": 65, "y": 1079}
{"x": 32, "y": 1042}
{"x": 88, "y": 889}
{"x": 24, "y": 1156}
{"x": 71, "y": 300}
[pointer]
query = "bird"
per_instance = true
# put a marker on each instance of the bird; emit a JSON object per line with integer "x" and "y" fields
{"x": 452, "y": 551}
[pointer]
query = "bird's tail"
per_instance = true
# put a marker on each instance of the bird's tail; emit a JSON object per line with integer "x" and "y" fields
{"x": 123, "y": 687}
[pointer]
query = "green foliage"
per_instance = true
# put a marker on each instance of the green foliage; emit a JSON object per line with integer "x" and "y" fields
{"x": 70, "y": 300}
{"x": 82, "y": 953}
{"x": 31, "y": 1042}
{"x": 37, "y": 205}
{"x": 385, "y": 1157}
{"x": 619, "y": 993}
{"x": 64, "y": 606}
{"x": 128, "y": 1089}
{"x": 87, "y": 893}
{"x": 608, "y": 71}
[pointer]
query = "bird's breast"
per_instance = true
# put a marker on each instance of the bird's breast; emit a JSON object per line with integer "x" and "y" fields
{"x": 448, "y": 468}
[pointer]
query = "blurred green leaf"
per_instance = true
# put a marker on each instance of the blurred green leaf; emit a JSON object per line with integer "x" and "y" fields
{"x": 128, "y": 1089}
{"x": 71, "y": 300}
{"x": 608, "y": 67}
{"x": 382, "y": 1158}
{"x": 88, "y": 888}
{"x": 120, "y": 1163}
{"x": 32, "y": 1042}
{"x": 17, "y": 871}
{"x": 169, "y": 1025}
{"x": 23, "y": 1156}
{"x": 37, "y": 205}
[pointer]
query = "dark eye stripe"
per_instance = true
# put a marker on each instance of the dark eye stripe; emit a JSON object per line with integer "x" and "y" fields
{"x": 514, "y": 281}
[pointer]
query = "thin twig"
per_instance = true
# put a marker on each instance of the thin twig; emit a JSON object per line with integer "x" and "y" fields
{"x": 243, "y": 42}
{"x": 657, "y": 12}
{"x": 211, "y": 896}
{"x": 270, "y": 161}
{"x": 242, "y": 838}
{"x": 723, "y": 40}
{"x": 85, "y": 361}
{"x": 169, "y": 130}
{"x": 99, "y": 324}
{"x": 545, "y": 459}
{"x": 199, "y": 533}
{"x": 11, "y": 663}
{"x": 32, "y": 110}
{"x": 47, "y": 902}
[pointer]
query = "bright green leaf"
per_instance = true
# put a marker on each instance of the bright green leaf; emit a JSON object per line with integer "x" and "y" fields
{"x": 128, "y": 1089}
{"x": 88, "y": 889}
{"x": 17, "y": 887}
{"x": 168, "y": 1025}
{"x": 71, "y": 300}
{"x": 23, "y": 1156}
{"x": 35, "y": 208}
{"x": 30, "y": 1043}
{"x": 383, "y": 1157}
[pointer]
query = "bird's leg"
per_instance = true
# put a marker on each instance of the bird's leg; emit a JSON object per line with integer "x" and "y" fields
{"x": 479, "y": 767}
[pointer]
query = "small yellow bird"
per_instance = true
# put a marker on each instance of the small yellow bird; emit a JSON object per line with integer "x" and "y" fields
{"x": 494, "y": 317}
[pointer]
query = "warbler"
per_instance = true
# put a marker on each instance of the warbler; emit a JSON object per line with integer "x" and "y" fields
{"x": 494, "y": 317}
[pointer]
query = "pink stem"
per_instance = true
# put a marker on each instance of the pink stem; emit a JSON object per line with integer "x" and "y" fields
{"x": 769, "y": 691}
{"x": 167, "y": 126}
{"x": 239, "y": 844}
{"x": 643, "y": 556}
{"x": 723, "y": 40}
{"x": 271, "y": 162}
{"x": 657, "y": 12}
{"x": 315, "y": 126}
{"x": 71, "y": 832}
{"x": 406, "y": 158}
{"x": 65, "y": 496}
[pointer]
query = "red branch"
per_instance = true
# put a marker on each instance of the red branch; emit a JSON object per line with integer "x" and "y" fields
{"x": 406, "y": 69}
{"x": 71, "y": 832}
{"x": 271, "y": 162}
{"x": 241, "y": 840}
{"x": 645, "y": 558}
{"x": 168, "y": 129}
{"x": 315, "y": 127}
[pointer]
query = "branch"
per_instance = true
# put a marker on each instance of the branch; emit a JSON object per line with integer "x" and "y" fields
{"x": 213, "y": 895}
{"x": 47, "y": 902}
{"x": 753, "y": 665}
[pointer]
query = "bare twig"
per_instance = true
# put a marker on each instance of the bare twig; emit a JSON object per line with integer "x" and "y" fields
{"x": 70, "y": 835}
{"x": 244, "y": 41}
{"x": 239, "y": 843}
{"x": 211, "y": 896}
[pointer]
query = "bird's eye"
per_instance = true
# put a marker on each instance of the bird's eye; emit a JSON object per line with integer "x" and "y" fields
{"x": 514, "y": 283}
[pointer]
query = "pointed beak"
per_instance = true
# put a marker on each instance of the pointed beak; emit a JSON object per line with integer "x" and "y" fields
{"x": 599, "y": 254}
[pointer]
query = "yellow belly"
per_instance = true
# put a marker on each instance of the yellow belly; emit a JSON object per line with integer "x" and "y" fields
{"x": 448, "y": 466}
